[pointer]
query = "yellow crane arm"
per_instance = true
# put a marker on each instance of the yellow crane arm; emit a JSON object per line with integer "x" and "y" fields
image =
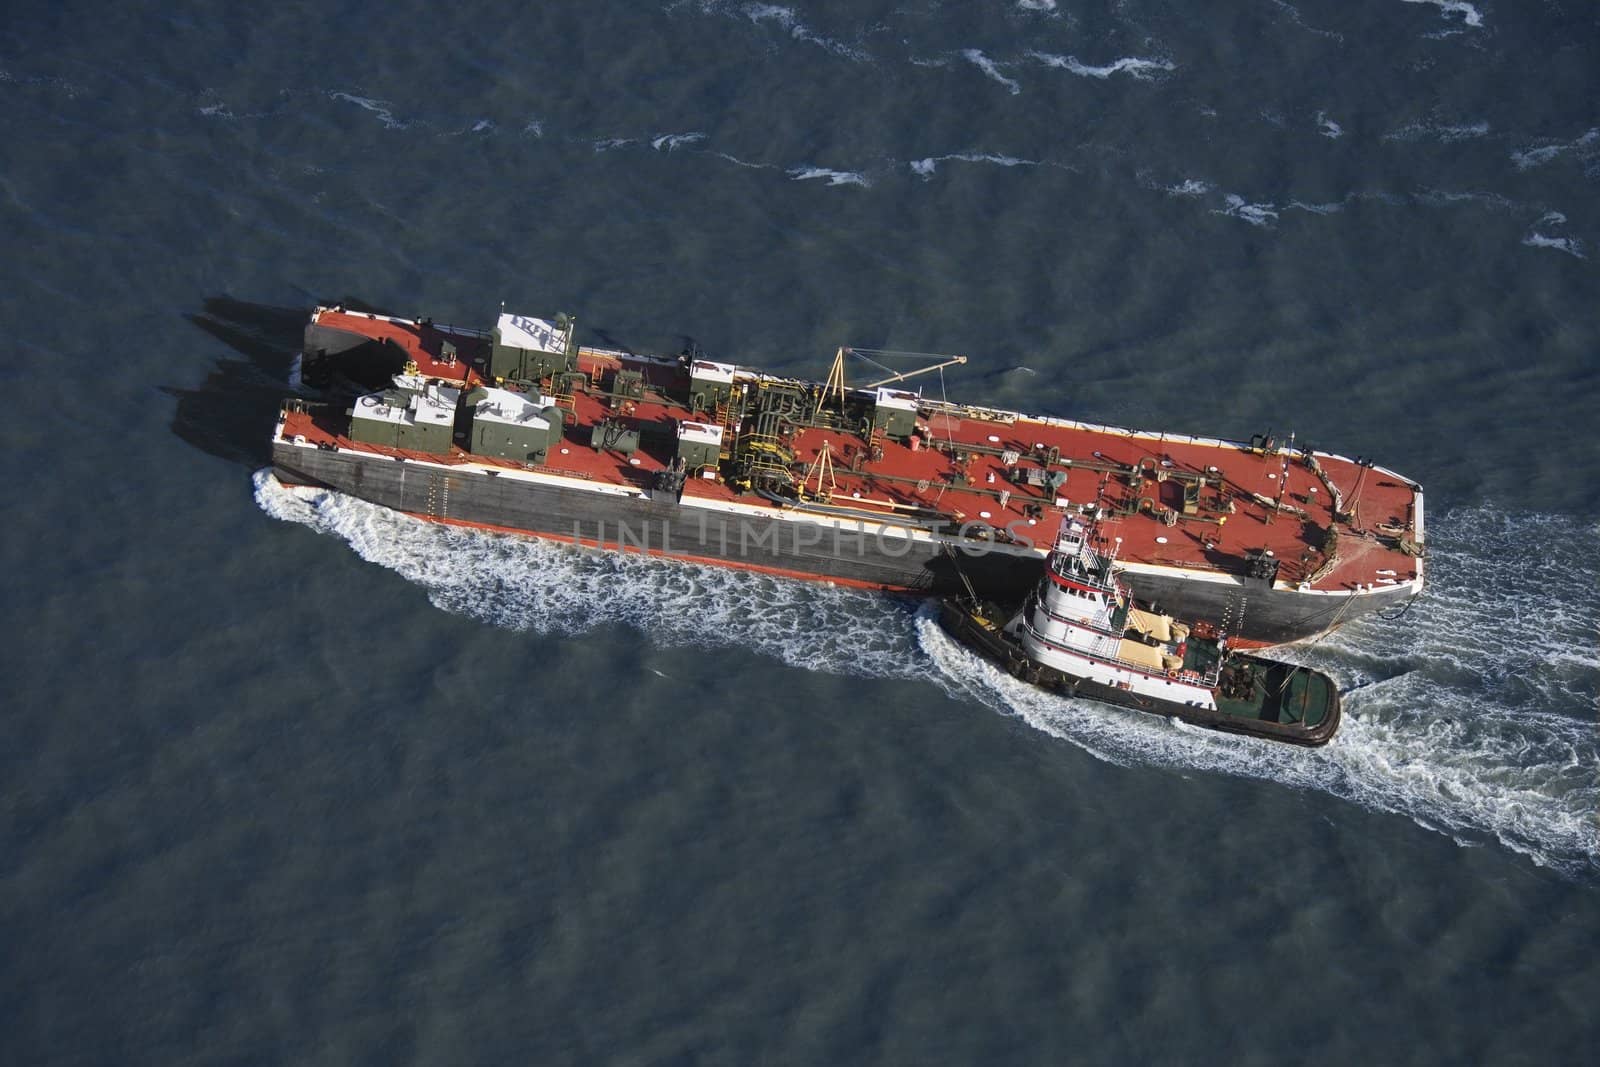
{"x": 953, "y": 361}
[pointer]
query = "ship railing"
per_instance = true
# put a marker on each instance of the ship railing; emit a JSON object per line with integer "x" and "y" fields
{"x": 1147, "y": 435}
{"x": 1109, "y": 658}
{"x": 463, "y": 331}
{"x": 1289, "y": 572}
{"x": 564, "y": 472}
{"x": 400, "y": 320}
{"x": 1109, "y": 632}
{"x": 1008, "y": 417}
{"x": 607, "y": 356}
{"x": 1089, "y": 571}
{"x": 1082, "y": 624}
{"x": 1208, "y": 678}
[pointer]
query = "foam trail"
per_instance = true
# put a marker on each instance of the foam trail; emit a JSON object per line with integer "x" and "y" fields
{"x": 1451, "y": 196}
{"x": 1529, "y": 158}
{"x": 379, "y": 108}
{"x": 1469, "y": 14}
{"x": 1473, "y": 714}
{"x": 520, "y": 583}
{"x": 1332, "y": 208}
{"x": 835, "y": 177}
{"x": 926, "y": 167}
{"x": 744, "y": 162}
{"x": 1143, "y": 69}
{"x": 1238, "y": 207}
{"x": 1570, "y": 245}
{"x": 1189, "y": 187}
{"x": 1585, "y": 146}
{"x": 1295, "y": 17}
{"x": 785, "y": 19}
{"x": 1420, "y": 131}
{"x": 669, "y": 141}
{"x": 991, "y": 68}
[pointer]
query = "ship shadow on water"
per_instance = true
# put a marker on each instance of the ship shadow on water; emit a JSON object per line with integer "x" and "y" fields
{"x": 230, "y": 414}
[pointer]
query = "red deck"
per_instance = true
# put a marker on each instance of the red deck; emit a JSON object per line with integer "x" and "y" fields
{"x": 930, "y": 478}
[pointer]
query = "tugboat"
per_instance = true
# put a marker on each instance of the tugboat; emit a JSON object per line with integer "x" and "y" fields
{"x": 1080, "y": 633}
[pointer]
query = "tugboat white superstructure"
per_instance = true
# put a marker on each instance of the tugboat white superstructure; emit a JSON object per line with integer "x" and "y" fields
{"x": 1081, "y": 632}
{"x": 1081, "y": 621}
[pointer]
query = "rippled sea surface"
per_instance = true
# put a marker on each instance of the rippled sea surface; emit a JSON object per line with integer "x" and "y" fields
{"x": 288, "y": 778}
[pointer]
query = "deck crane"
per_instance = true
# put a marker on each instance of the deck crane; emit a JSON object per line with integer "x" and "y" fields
{"x": 835, "y": 386}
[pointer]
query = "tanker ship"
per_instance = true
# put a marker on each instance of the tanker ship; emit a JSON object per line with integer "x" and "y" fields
{"x": 865, "y": 483}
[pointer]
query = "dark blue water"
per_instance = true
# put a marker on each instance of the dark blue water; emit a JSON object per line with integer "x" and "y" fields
{"x": 286, "y": 778}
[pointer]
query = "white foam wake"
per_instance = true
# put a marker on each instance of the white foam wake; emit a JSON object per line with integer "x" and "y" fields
{"x": 1189, "y": 187}
{"x": 1236, "y": 206}
{"x": 1472, "y": 715}
{"x": 1331, "y": 208}
{"x": 1570, "y": 245}
{"x": 380, "y": 108}
{"x": 990, "y": 68}
{"x": 1536, "y": 238}
{"x": 521, "y": 583}
{"x": 667, "y": 142}
{"x": 744, "y": 162}
{"x": 782, "y": 17}
{"x": 1445, "y": 134}
{"x": 1133, "y": 66}
{"x": 1295, "y": 17}
{"x": 835, "y": 177}
{"x": 1469, "y": 14}
{"x": 925, "y": 167}
{"x": 1586, "y": 147}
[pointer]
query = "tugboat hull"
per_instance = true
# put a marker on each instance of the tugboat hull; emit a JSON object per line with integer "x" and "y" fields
{"x": 978, "y": 634}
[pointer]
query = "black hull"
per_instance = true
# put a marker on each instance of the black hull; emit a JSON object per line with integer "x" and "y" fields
{"x": 1247, "y": 609}
{"x": 1256, "y": 612}
{"x": 654, "y": 523}
{"x": 1009, "y": 655}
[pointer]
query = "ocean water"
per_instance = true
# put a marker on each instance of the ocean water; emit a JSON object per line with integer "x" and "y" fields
{"x": 288, "y": 778}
